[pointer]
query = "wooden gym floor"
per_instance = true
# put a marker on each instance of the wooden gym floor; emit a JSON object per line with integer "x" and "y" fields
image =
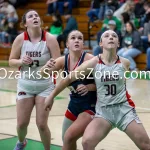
{"x": 116, "y": 140}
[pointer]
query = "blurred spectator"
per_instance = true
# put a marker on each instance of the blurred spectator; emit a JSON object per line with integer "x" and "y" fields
{"x": 52, "y": 7}
{"x": 9, "y": 11}
{"x": 148, "y": 58}
{"x": 64, "y": 4}
{"x": 61, "y": 6}
{"x": 147, "y": 11}
{"x": 13, "y": 2}
{"x": 128, "y": 6}
{"x": 146, "y": 34}
{"x": 97, "y": 10}
{"x": 111, "y": 26}
{"x": 99, "y": 7}
{"x": 3, "y": 29}
{"x": 126, "y": 18}
{"x": 131, "y": 44}
{"x": 19, "y": 3}
{"x": 133, "y": 18}
{"x": 139, "y": 9}
{"x": 11, "y": 34}
{"x": 70, "y": 26}
{"x": 112, "y": 4}
{"x": 145, "y": 17}
{"x": 121, "y": 2}
{"x": 1, "y": 4}
{"x": 75, "y": 3}
{"x": 56, "y": 27}
{"x": 109, "y": 16}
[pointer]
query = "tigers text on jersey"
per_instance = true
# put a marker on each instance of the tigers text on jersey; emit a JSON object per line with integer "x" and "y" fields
{"x": 111, "y": 86}
{"x": 38, "y": 52}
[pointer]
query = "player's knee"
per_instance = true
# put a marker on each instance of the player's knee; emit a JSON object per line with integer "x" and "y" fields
{"x": 86, "y": 143}
{"x": 22, "y": 124}
{"x": 69, "y": 138}
{"x": 144, "y": 142}
{"x": 41, "y": 126}
{"x": 145, "y": 145}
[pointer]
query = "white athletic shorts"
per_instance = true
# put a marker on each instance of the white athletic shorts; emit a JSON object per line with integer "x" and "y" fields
{"x": 30, "y": 88}
{"x": 118, "y": 115}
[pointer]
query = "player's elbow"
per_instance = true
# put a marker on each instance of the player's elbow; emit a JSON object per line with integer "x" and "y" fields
{"x": 10, "y": 62}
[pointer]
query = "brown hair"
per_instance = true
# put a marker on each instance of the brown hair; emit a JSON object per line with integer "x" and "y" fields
{"x": 74, "y": 31}
{"x": 23, "y": 20}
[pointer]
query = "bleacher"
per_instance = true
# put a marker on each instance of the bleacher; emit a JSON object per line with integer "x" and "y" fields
{"x": 78, "y": 13}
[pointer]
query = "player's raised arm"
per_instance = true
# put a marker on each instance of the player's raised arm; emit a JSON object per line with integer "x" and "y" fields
{"x": 79, "y": 72}
{"x": 52, "y": 65}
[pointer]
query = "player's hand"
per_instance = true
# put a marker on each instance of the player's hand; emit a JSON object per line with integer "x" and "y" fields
{"x": 82, "y": 89}
{"x": 50, "y": 64}
{"x": 26, "y": 60}
{"x": 48, "y": 103}
{"x": 48, "y": 67}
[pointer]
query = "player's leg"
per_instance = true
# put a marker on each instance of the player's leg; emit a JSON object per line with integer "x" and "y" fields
{"x": 66, "y": 124}
{"x": 76, "y": 130}
{"x": 132, "y": 126}
{"x": 95, "y": 132}
{"x": 41, "y": 121}
{"x": 70, "y": 116}
{"x": 138, "y": 135}
{"x": 24, "y": 109}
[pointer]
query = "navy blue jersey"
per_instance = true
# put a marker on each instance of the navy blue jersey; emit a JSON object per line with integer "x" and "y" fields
{"x": 78, "y": 103}
{"x": 73, "y": 86}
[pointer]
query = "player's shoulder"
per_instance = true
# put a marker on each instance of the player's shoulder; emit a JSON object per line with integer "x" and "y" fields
{"x": 20, "y": 36}
{"x": 50, "y": 36}
{"x": 91, "y": 60}
{"x": 125, "y": 62}
{"x": 61, "y": 59}
{"x": 19, "y": 39}
{"x": 88, "y": 56}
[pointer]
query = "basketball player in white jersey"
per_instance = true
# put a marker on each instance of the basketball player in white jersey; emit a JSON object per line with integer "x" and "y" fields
{"x": 114, "y": 106}
{"x": 31, "y": 50}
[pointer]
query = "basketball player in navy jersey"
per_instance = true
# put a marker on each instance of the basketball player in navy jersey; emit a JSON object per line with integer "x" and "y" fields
{"x": 83, "y": 92}
{"x": 114, "y": 107}
{"x": 30, "y": 51}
